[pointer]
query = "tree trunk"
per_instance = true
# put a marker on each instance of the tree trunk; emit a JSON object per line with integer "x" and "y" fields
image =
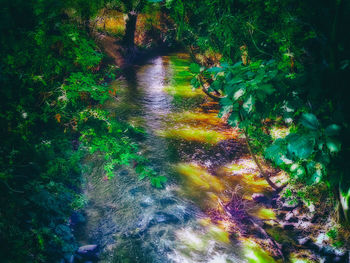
{"x": 130, "y": 28}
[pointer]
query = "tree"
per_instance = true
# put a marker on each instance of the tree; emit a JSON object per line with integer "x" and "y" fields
{"x": 131, "y": 10}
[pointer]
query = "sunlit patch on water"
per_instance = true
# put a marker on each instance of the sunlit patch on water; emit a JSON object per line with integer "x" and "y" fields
{"x": 254, "y": 253}
{"x": 192, "y": 240}
{"x": 198, "y": 177}
{"x": 189, "y": 133}
{"x": 197, "y": 126}
{"x": 182, "y": 90}
{"x": 264, "y": 213}
{"x": 204, "y": 244}
{"x": 244, "y": 172}
{"x": 209, "y": 190}
{"x": 196, "y": 118}
{"x": 207, "y": 166}
{"x": 219, "y": 234}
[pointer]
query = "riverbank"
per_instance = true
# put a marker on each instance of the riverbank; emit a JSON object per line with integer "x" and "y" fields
{"x": 234, "y": 197}
{"x": 214, "y": 197}
{"x": 110, "y": 154}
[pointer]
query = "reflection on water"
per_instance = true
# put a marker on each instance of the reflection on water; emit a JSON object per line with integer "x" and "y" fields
{"x": 203, "y": 160}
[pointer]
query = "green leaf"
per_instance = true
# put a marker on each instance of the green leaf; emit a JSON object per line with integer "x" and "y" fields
{"x": 157, "y": 181}
{"x": 316, "y": 177}
{"x": 142, "y": 175}
{"x": 239, "y": 93}
{"x": 333, "y": 145}
{"x": 244, "y": 124}
{"x": 302, "y": 146}
{"x": 195, "y": 83}
{"x": 195, "y": 68}
{"x": 162, "y": 179}
{"x": 224, "y": 110}
{"x": 225, "y": 101}
{"x": 248, "y": 104}
{"x": 294, "y": 167}
{"x": 297, "y": 170}
{"x": 332, "y": 130}
{"x": 235, "y": 80}
{"x": 233, "y": 120}
{"x": 276, "y": 151}
{"x": 310, "y": 121}
{"x": 237, "y": 65}
{"x": 323, "y": 158}
{"x": 272, "y": 73}
{"x": 215, "y": 70}
{"x": 267, "y": 88}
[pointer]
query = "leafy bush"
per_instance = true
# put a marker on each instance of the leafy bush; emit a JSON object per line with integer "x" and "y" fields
{"x": 292, "y": 72}
{"x": 50, "y": 112}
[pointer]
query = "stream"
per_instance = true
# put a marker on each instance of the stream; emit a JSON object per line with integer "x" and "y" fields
{"x": 204, "y": 160}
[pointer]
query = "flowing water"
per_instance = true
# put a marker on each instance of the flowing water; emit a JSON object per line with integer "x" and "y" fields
{"x": 204, "y": 160}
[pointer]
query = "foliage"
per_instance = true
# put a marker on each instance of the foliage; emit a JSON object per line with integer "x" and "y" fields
{"x": 306, "y": 150}
{"x": 336, "y": 240}
{"x": 284, "y": 63}
{"x": 53, "y": 87}
{"x": 289, "y": 73}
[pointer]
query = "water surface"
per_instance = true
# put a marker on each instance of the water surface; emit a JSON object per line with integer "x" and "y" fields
{"x": 204, "y": 161}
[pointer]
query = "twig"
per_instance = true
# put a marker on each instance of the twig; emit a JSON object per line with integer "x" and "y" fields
{"x": 204, "y": 89}
{"x": 267, "y": 178}
{"x": 11, "y": 189}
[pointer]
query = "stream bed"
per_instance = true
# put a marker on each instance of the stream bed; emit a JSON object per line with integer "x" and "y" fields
{"x": 205, "y": 161}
